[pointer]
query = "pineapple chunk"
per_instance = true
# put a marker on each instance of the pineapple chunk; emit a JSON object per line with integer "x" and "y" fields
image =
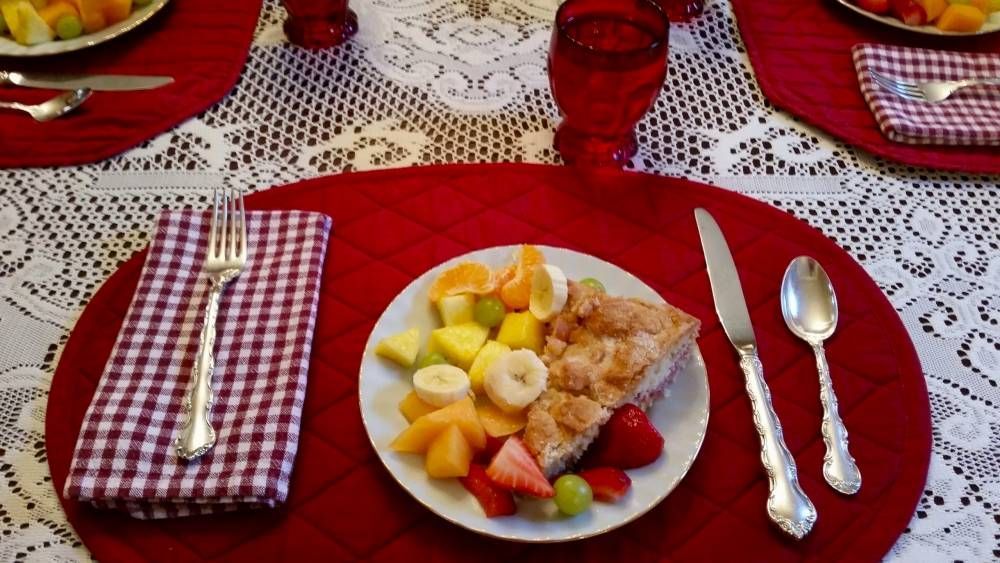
{"x": 498, "y": 423}
{"x": 419, "y": 435}
{"x": 522, "y": 330}
{"x": 460, "y": 343}
{"x": 489, "y": 352}
{"x": 413, "y": 408}
{"x": 456, "y": 309}
{"x": 401, "y": 348}
{"x": 449, "y": 454}
{"x": 27, "y": 27}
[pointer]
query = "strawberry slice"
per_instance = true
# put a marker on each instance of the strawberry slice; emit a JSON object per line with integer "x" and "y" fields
{"x": 874, "y": 6}
{"x": 515, "y": 469}
{"x": 493, "y": 445}
{"x": 496, "y": 501}
{"x": 628, "y": 440}
{"x": 608, "y": 483}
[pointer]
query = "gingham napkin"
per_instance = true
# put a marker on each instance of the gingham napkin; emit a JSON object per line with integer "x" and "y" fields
{"x": 968, "y": 117}
{"x": 124, "y": 456}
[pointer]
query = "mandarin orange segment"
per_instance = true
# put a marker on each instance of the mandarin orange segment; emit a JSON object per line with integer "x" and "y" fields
{"x": 516, "y": 292}
{"x": 467, "y": 277}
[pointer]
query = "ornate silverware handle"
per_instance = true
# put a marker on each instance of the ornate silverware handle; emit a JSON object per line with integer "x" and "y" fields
{"x": 787, "y": 505}
{"x": 839, "y": 468}
{"x": 198, "y": 436}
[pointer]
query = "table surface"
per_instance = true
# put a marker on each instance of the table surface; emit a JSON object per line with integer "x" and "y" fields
{"x": 435, "y": 81}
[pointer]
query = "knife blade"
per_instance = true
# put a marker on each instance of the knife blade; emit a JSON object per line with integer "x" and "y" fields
{"x": 102, "y": 82}
{"x": 787, "y": 505}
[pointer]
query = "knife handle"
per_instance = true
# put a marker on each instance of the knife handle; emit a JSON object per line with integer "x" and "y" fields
{"x": 787, "y": 505}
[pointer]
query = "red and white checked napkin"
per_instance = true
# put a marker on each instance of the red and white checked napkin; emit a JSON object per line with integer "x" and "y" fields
{"x": 124, "y": 456}
{"x": 968, "y": 117}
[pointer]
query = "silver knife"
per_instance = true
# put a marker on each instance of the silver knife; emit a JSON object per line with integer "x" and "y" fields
{"x": 104, "y": 82}
{"x": 787, "y": 505}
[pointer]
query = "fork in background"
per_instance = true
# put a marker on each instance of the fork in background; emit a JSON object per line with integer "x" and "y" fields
{"x": 929, "y": 91}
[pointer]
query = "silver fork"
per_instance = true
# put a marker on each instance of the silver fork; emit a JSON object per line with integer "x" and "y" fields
{"x": 224, "y": 260}
{"x": 931, "y": 91}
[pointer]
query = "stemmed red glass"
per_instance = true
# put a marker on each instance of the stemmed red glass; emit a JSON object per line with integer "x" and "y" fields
{"x": 682, "y": 10}
{"x": 317, "y": 24}
{"x": 607, "y": 63}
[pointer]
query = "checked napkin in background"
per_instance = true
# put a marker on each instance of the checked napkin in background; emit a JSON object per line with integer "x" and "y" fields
{"x": 968, "y": 117}
{"x": 124, "y": 456}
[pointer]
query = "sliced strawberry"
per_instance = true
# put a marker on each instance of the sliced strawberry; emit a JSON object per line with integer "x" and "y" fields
{"x": 515, "y": 469}
{"x": 496, "y": 501}
{"x": 608, "y": 483}
{"x": 874, "y": 6}
{"x": 628, "y": 440}
{"x": 909, "y": 11}
{"x": 493, "y": 445}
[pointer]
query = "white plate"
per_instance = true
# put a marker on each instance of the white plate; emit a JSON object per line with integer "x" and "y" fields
{"x": 681, "y": 418}
{"x": 10, "y": 48}
{"x": 991, "y": 25}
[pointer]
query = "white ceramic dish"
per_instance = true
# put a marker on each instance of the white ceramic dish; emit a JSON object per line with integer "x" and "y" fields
{"x": 10, "y": 48}
{"x": 682, "y": 418}
{"x": 992, "y": 23}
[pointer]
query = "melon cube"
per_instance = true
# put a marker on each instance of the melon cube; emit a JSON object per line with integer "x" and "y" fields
{"x": 419, "y": 435}
{"x": 487, "y": 354}
{"x": 522, "y": 330}
{"x": 498, "y": 423}
{"x": 449, "y": 454}
{"x": 460, "y": 343}
{"x": 401, "y": 348}
{"x": 413, "y": 407}
{"x": 457, "y": 309}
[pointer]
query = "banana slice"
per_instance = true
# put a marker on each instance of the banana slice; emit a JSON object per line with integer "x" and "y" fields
{"x": 549, "y": 291}
{"x": 441, "y": 384}
{"x": 515, "y": 379}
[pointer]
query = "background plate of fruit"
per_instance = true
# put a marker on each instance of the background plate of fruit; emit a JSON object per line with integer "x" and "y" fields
{"x": 30, "y": 28}
{"x": 452, "y": 360}
{"x": 932, "y": 17}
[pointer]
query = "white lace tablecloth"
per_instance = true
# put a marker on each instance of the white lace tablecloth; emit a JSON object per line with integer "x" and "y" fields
{"x": 433, "y": 81}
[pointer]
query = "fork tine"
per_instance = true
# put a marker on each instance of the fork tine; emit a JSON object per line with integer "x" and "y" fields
{"x": 243, "y": 228}
{"x": 224, "y": 225}
{"x": 899, "y": 90}
{"x": 215, "y": 220}
{"x": 231, "y": 249}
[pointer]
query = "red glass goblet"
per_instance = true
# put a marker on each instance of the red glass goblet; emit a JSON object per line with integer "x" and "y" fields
{"x": 682, "y": 10}
{"x": 607, "y": 62}
{"x": 317, "y": 24}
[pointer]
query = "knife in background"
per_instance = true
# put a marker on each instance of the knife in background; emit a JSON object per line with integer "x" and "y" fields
{"x": 103, "y": 82}
{"x": 787, "y": 505}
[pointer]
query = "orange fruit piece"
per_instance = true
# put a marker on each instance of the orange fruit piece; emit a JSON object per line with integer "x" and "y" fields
{"x": 516, "y": 292}
{"x": 467, "y": 277}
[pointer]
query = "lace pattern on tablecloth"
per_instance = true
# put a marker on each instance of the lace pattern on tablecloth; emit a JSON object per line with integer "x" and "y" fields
{"x": 433, "y": 81}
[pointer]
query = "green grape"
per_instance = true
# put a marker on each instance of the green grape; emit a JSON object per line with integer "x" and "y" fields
{"x": 431, "y": 359}
{"x": 573, "y": 494}
{"x": 594, "y": 283}
{"x": 489, "y": 311}
{"x": 68, "y": 27}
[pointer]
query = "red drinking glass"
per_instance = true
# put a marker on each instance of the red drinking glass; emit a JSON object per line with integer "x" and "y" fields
{"x": 682, "y": 10}
{"x": 319, "y": 23}
{"x": 607, "y": 62}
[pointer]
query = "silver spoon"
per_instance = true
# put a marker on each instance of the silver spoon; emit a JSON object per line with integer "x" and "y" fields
{"x": 53, "y": 108}
{"x": 809, "y": 306}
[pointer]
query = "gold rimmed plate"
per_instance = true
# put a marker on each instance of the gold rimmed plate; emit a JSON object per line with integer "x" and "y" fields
{"x": 681, "y": 417}
{"x": 991, "y": 25}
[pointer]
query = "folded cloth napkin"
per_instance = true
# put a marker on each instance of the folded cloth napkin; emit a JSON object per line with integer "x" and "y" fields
{"x": 124, "y": 456}
{"x": 968, "y": 117}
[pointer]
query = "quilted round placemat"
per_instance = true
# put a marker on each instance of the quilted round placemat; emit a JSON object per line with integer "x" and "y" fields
{"x": 390, "y": 226}
{"x": 202, "y": 45}
{"x": 801, "y": 56}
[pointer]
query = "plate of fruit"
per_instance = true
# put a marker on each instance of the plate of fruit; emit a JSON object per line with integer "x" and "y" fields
{"x": 534, "y": 393}
{"x": 932, "y": 17}
{"x": 30, "y": 28}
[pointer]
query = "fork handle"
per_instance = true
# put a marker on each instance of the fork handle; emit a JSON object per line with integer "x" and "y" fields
{"x": 197, "y": 435}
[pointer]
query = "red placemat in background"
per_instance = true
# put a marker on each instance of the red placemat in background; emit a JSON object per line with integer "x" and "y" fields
{"x": 203, "y": 45}
{"x": 801, "y": 55}
{"x": 391, "y": 226}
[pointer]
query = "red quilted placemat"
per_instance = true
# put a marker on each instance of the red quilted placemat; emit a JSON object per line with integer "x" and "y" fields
{"x": 391, "y": 226}
{"x": 203, "y": 45}
{"x": 801, "y": 55}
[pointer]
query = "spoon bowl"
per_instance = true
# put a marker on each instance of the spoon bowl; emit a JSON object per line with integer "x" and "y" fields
{"x": 808, "y": 302}
{"x": 50, "y": 109}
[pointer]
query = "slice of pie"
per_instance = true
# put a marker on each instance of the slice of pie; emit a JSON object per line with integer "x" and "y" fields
{"x": 602, "y": 352}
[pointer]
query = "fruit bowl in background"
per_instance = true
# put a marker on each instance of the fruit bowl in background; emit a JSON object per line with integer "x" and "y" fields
{"x": 10, "y": 48}
{"x": 681, "y": 417}
{"x": 991, "y": 25}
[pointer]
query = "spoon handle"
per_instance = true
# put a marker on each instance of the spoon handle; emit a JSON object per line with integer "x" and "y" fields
{"x": 839, "y": 468}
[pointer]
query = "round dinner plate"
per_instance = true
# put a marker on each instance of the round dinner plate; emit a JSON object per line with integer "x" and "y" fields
{"x": 10, "y": 48}
{"x": 681, "y": 417}
{"x": 991, "y": 25}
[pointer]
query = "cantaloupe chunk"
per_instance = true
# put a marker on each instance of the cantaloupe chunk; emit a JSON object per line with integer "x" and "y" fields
{"x": 449, "y": 454}
{"x": 419, "y": 435}
{"x": 961, "y": 17}
{"x": 496, "y": 422}
{"x": 934, "y": 8}
{"x": 117, "y": 10}
{"x": 56, "y": 10}
{"x": 413, "y": 408}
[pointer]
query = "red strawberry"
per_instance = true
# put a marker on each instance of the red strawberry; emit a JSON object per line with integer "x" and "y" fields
{"x": 495, "y": 501}
{"x": 514, "y": 468}
{"x": 874, "y": 6}
{"x": 628, "y": 440}
{"x": 909, "y": 11}
{"x": 608, "y": 483}
{"x": 492, "y": 447}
